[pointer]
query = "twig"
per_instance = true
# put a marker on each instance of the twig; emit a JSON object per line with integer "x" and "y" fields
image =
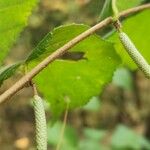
{"x": 115, "y": 10}
{"x": 59, "y": 52}
{"x": 134, "y": 10}
{"x": 35, "y": 92}
{"x": 60, "y": 141}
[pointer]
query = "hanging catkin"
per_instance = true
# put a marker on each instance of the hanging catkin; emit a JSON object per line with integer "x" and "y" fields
{"x": 40, "y": 120}
{"x": 135, "y": 54}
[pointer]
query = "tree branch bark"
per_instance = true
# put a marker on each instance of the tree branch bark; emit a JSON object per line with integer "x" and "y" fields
{"x": 59, "y": 52}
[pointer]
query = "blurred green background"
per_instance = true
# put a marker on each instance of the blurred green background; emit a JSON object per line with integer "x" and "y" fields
{"x": 117, "y": 120}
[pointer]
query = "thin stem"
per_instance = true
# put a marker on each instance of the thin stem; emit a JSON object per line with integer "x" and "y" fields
{"x": 35, "y": 92}
{"x": 63, "y": 128}
{"x": 28, "y": 77}
{"x": 115, "y": 10}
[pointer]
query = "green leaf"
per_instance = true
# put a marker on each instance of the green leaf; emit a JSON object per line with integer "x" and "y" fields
{"x": 89, "y": 145}
{"x": 123, "y": 78}
{"x": 13, "y": 18}
{"x": 137, "y": 28}
{"x": 54, "y": 40}
{"x": 8, "y": 71}
{"x": 106, "y": 10}
{"x": 93, "y": 139}
{"x": 77, "y": 80}
{"x": 121, "y": 5}
{"x": 125, "y": 138}
{"x": 94, "y": 134}
{"x": 93, "y": 105}
{"x": 42, "y": 48}
{"x": 70, "y": 139}
{"x": 126, "y": 4}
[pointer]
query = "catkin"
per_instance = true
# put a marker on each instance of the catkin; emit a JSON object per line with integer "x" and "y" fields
{"x": 40, "y": 120}
{"x": 135, "y": 54}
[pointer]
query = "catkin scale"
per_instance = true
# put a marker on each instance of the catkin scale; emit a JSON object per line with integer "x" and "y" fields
{"x": 40, "y": 120}
{"x": 134, "y": 54}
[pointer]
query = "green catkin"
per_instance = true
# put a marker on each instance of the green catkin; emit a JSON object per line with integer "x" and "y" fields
{"x": 40, "y": 120}
{"x": 135, "y": 54}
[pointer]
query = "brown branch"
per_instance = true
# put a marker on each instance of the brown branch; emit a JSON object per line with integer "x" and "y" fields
{"x": 134, "y": 10}
{"x": 59, "y": 52}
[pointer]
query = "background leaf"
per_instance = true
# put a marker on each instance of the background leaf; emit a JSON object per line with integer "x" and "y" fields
{"x": 125, "y": 138}
{"x": 79, "y": 80}
{"x": 8, "y": 71}
{"x": 107, "y": 10}
{"x": 123, "y": 78}
{"x": 93, "y": 105}
{"x": 70, "y": 139}
{"x": 13, "y": 18}
{"x": 92, "y": 139}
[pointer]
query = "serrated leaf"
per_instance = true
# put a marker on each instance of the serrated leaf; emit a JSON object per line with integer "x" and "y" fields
{"x": 54, "y": 40}
{"x": 13, "y": 18}
{"x": 121, "y": 5}
{"x": 8, "y": 71}
{"x": 79, "y": 80}
{"x": 138, "y": 33}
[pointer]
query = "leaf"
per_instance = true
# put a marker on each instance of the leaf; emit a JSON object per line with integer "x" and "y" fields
{"x": 93, "y": 105}
{"x": 13, "y": 18}
{"x": 125, "y": 138}
{"x": 139, "y": 34}
{"x": 92, "y": 139}
{"x": 41, "y": 48}
{"x": 123, "y": 78}
{"x": 121, "y": 4}
{"x": 8, "y": 71}
{"x": 70, "y": 139}
{"x": 106, "y": 10}
{"x": 126, "y": 4}
{"x": 77, "y": 80}
{"x": 90, "y": 145}
{"x": 94, "y": 134}
{"x": 54, "y": 40}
